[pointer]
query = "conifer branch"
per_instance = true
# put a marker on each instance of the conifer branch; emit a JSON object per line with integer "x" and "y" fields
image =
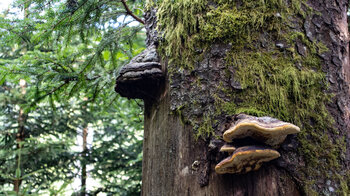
{"x": 68, "y": 16}
{"x": 49, "y": 93}
{"x": 129, "y": 12}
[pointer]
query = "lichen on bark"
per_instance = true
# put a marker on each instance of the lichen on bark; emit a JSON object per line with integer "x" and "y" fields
{"x": 254, "y": 56}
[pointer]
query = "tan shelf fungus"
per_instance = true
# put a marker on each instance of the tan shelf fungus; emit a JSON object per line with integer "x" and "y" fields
{"x": 265, "y": 129}
{"x": 246, "y": 159}
{"x": 268, "y": 130}
{"x": 227, "y": 148}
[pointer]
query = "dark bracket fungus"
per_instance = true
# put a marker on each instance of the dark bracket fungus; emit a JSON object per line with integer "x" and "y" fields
{"x": 265, "y": 129}
{"x": 142, "y": 77}
{"x": 246, "y": 159}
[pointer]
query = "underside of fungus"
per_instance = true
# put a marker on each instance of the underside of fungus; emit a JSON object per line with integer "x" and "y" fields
{"x": 265, "y": 129}
{"x": 245, "y": 159}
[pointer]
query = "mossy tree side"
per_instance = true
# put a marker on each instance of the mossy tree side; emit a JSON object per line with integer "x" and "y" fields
{"x": 287, "y": 59}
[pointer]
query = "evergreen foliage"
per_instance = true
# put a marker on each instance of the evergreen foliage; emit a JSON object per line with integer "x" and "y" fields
{"x": 69, "y": 53}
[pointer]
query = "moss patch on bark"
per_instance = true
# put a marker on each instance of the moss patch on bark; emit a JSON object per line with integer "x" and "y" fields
{"x": 275, "y": 64}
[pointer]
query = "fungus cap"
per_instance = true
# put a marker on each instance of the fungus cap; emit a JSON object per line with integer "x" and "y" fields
{"x": 143, "y": 77}
{"x": 227, "y": 148}
{"x": 245, "y": 159}
{"x": 266, "y": 129}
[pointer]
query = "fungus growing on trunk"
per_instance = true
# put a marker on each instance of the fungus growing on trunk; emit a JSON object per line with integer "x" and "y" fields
{"x": 227, "y": 148}
{"x": 142, "y": 77}
{"x": 250, "y": 158}
{"x": 265, "y": 129}
{"x": 245, "y": 159}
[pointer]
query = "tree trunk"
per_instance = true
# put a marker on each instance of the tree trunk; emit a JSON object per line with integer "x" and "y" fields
{"x": 20, "y": 137}
{"x": 175, "y": 163}
{"x": 83, "y": 162}
{"x": 200, "y": 98}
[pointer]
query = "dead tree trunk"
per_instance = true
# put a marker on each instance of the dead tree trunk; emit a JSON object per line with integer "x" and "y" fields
{"x": 284, "y": 59}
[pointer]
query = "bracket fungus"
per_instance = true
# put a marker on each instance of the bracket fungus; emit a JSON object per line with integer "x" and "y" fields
{"x": 227, "y": 148}
{"x": 142, "y": 77}
{"x": 265, "y": 129}
{"x": 246, "y": 159}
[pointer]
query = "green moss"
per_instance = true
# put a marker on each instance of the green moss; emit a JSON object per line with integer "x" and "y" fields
{"x": 276, "y": 82}
{"x": 181, "y": 30}
{"x": 274, "y": 85}
{"x": 205, "y": 129}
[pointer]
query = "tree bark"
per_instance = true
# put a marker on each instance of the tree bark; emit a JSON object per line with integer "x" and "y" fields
{"x": 175, "y": 163}
{"x": 83, "y": 162}
{"x": 20, "y": 137}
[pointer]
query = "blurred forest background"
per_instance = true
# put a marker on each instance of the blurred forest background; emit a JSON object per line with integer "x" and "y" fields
{"x": 63, "y": 129}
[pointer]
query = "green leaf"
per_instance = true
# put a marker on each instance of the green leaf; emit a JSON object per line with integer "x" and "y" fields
{"x": 32, "y": 173}
{"x": 18, "y": 173}
{"x": 52, "y": 104}
{"x": 106, "y": 55}
{"x": 3, "y": 78}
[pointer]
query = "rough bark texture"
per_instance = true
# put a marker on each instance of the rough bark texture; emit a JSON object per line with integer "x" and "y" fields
{"x": 174, "y": 163}
{"x": 332, "y": 29}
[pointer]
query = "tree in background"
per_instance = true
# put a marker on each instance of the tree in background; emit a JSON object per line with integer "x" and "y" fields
{"x": 46, "y": 137}
{"x": 68, "y": 51}
{"x": 116, "y": 152}
{"x": 47, "y": 151}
